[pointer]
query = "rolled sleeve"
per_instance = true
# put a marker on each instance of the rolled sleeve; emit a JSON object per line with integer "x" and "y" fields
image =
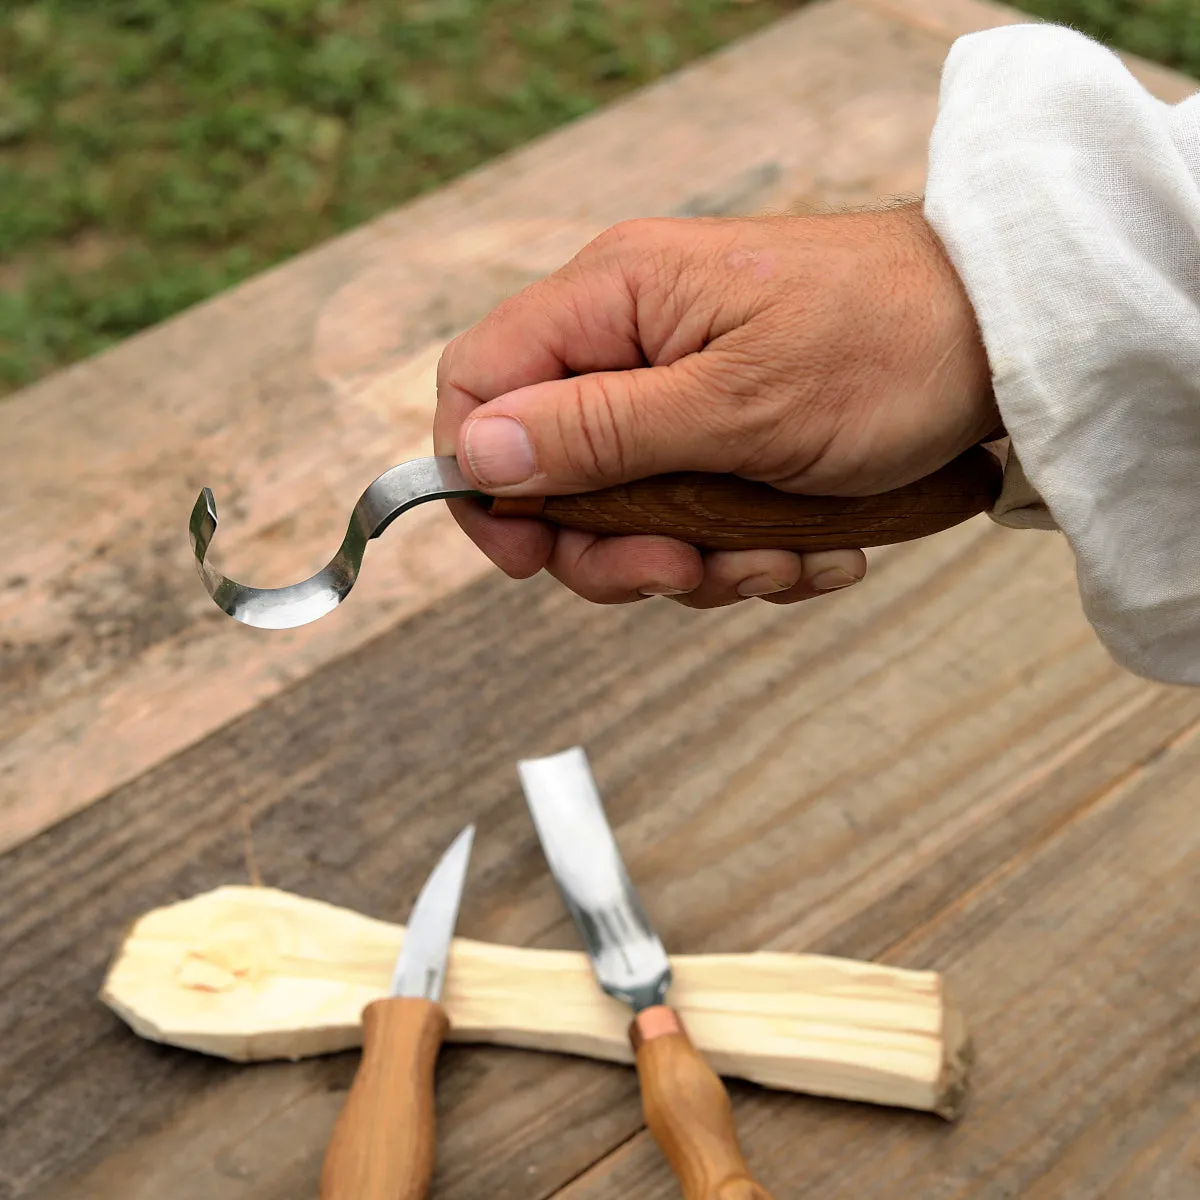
{"x": 1068, "y": 199}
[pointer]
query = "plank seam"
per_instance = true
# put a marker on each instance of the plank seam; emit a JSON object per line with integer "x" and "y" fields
{"x": 582, "y": 1175}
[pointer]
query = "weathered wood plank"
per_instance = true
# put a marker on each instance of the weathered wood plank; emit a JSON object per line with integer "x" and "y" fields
{"x": 940, "y": 769}
{"x": 1081, "y": 965}
{"x": 822, "y": 777}
{"x": 290, "y": 393}
{"x": 950, "y": 19}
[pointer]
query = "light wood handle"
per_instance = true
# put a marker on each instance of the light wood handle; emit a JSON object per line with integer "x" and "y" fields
{"x": 725, "y": 512}
{"x": 382, "y": 1146}
{"x": 688, "y": 1111}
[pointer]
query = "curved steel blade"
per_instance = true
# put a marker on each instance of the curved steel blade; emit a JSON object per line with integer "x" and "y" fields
{"x": 421, "y": 965}
{"x": 394, "y": 492}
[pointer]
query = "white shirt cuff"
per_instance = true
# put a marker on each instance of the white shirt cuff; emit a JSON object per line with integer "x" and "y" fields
{"x": 1068, "y": 199}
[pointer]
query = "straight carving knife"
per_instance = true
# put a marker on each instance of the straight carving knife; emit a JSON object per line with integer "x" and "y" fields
{"x": 382, "y": 1146}
{"x": 686, "y": 1106}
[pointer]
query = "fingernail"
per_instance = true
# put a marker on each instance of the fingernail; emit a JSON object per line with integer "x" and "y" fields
{"x": 760, "y": 585}
{"x": 654, "y": 590}
{"x": 499, "y": 451}
{"x": 832, "y": 579}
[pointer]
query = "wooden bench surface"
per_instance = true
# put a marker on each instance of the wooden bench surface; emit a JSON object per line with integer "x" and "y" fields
{"x": 940, "y": 769}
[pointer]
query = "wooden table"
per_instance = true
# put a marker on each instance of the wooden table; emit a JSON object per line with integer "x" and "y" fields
{"x": 939, "y": 769}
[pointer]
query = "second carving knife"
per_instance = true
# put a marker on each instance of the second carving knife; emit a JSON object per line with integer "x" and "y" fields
{"x": 686, "y": 1106}
{"x": 382, "y": 1147}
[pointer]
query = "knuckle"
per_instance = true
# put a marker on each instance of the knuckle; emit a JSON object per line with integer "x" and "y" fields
{"x": 632, "y": 230}
{"x": 586, "y": 315}
{"x": 663, "y": 275}
{"x": 649, "y": 244}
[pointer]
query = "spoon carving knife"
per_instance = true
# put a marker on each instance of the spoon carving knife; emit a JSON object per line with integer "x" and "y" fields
{"x": 382, "y": 1146}
{"x": 711, "y": 512}
{"x": 685, "y": 1104}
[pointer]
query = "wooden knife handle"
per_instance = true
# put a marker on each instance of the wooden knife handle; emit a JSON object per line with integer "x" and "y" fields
{"x": 382, "y": 1146}
{"x": 725, "y": 512}
{"x": 688, "y": 1111}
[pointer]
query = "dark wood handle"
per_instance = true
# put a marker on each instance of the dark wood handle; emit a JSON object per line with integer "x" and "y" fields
{"x": 382, "y": 1146}
{"x": 725, "y": 512}
{"x": 688, "y": 1111}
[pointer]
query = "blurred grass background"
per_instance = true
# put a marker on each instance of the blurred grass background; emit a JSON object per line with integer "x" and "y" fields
{"x": 154, "y": 152}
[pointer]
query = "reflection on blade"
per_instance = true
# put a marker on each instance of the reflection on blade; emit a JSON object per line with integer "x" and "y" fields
{"x": 628, "y": 959}
{"x": 394, "y": 492}
{"x": 421, "y": 966}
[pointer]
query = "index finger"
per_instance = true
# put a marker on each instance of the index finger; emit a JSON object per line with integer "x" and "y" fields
{"x": 582, "y": 318}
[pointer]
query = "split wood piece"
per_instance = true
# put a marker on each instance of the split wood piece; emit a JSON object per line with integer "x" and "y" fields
{"x": 252, "y": 973}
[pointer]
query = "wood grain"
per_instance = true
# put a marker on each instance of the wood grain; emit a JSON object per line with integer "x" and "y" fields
{"x": 723, "y": 512}
{"x": 689, "y": 1115}
{"x": 254, "y": 973}
{"x": 384, "y": 1144}
{"x": 1081, "y": 956}
{"x": 290, "y": 393}
{"x": 940, "y": 769}
{"x": 952, "y": 19}
{"x": 829, "y": 778}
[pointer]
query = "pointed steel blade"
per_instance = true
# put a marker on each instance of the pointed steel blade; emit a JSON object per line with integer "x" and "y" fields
{"x": 394, "y": 492}
{"x": 626, "y": 955}
{"x": 421, "y": 965}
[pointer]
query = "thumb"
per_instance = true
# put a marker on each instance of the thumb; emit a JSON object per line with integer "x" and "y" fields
{"x": 592, "y": 431}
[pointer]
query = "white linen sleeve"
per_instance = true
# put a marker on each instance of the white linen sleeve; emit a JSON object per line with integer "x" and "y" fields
{"x": 1068, "y": 199}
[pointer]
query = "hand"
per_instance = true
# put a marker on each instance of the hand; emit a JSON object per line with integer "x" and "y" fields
{"x": 834, "y": 355}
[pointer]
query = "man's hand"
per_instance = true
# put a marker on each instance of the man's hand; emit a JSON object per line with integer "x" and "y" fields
{"x": 833, "y": 355}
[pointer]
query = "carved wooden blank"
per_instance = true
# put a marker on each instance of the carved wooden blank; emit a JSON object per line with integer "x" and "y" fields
{"x": 252, "y": 973}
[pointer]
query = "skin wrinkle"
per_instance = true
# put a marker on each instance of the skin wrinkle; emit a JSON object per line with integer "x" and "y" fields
{"x": 589, "y": 418}
{"x": 670, "y": 272}
{"x": 685, "y": 399}
{"x": 663, "y": 317}
{"x": 744, "y": 378}
{"x": 710, "y": 405}
{"x": 604, "y": 328}
{"x": 623, "y": 329}
{"x": 771, "y": 440}
{"x": 695, "y": 330}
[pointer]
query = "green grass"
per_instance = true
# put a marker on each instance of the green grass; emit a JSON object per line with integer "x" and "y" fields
{"x": 1164, "y": 31}
{"x": 153, "y": 152}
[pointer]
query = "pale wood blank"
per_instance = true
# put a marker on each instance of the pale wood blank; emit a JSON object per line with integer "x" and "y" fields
{"x": 252, "y": 973}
